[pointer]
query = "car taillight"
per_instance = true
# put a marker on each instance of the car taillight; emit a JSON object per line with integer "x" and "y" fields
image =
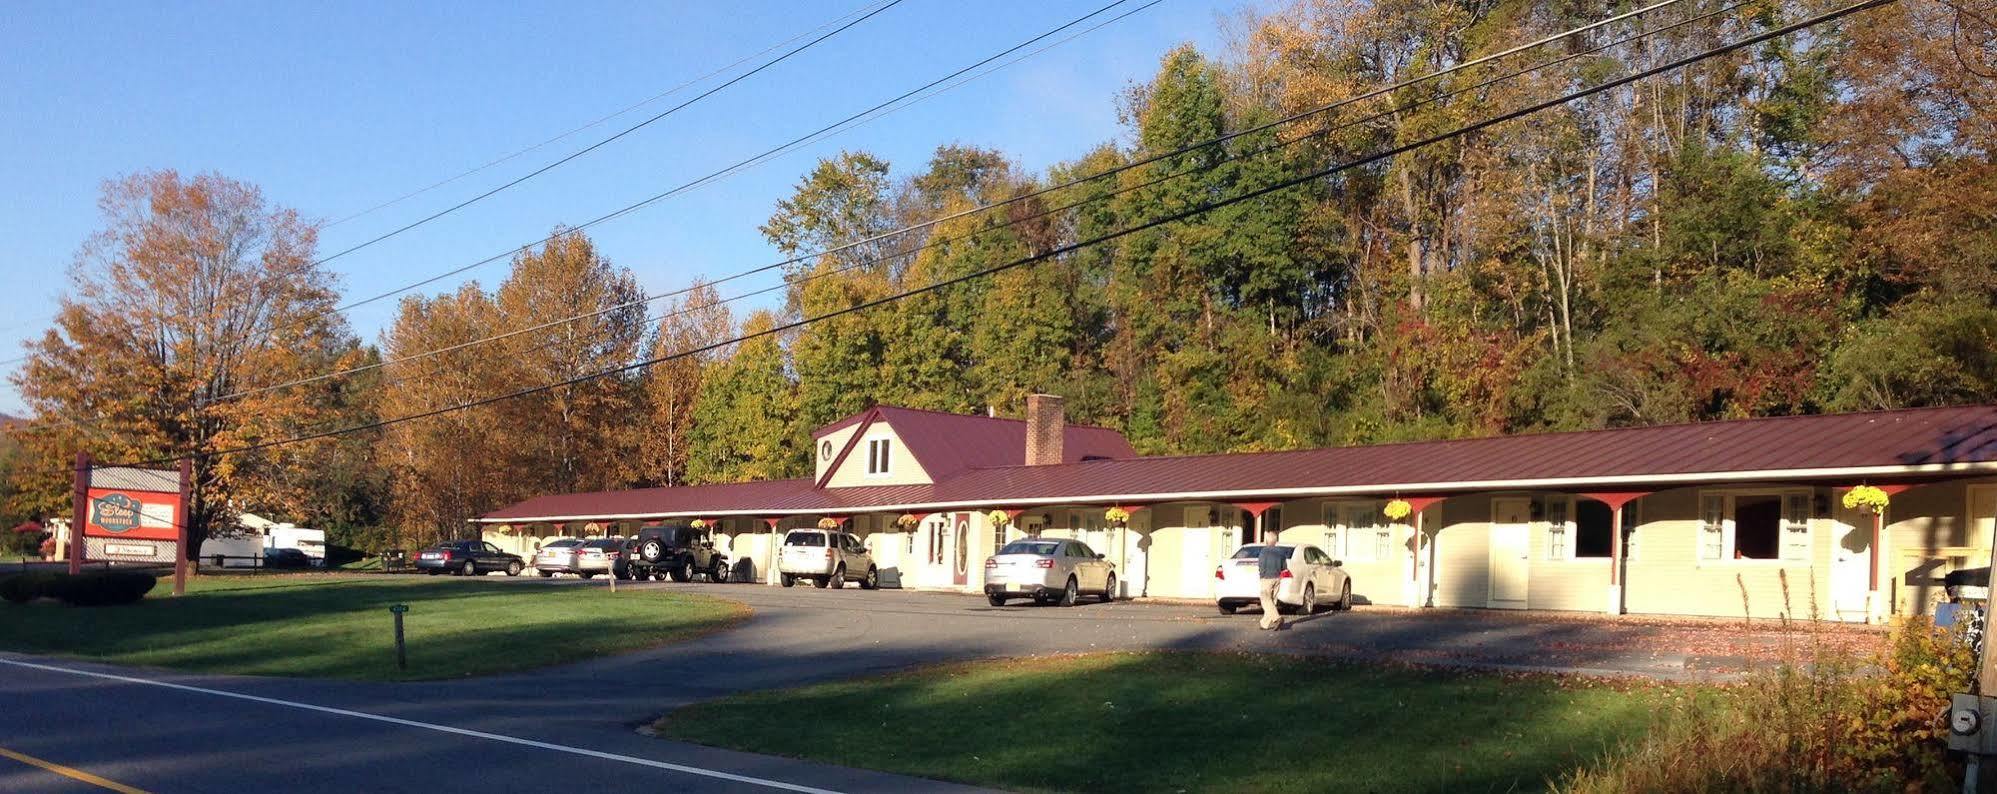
{"x": 991, "y": 563}
{"x": 1284, "y": 575}
{"x": 447, "y": 555}
{"x": 1220, "y": 573}
{"x": 1044, "y": 563}
{"x": 828, "y": 554}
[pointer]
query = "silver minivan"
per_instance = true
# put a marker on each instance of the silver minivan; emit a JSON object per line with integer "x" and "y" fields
{"x": 1048, "y": 570}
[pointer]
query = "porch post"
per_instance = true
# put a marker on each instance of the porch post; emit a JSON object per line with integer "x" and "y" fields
{"x": 1423, "y": 576}
{"x": 1876, "y": 607}
{"x": 770, "y": 551}
{"x": 1616, "y": 500}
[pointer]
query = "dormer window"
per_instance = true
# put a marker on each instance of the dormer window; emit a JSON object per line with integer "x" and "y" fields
{"x": 877, "y": 456}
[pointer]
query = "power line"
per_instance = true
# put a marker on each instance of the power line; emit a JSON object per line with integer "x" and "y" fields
{"x": 1062, "y": 186}
{"x": 600, "y": 121}
{"x": 621, "y": 133}
{"x": 627, "y": 209}
{"x": 856, "y": 119}
{"x": 1076, "y": 246}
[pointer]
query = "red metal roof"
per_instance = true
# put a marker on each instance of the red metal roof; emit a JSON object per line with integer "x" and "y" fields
{"x": 1835, "y": 448}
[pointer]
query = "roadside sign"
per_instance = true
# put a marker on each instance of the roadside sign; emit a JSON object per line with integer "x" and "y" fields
{"x": 398, "y": 608}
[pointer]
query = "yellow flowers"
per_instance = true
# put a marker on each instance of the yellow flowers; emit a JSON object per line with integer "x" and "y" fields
{"x": 1117, "y": 516}
{"x": 906, "y": 521}
{"x": 1399, "y": 509}
{"x": 699, "y": 523}
{"x": 828, "y": 522}
{"x": 1867, "y": 498}
{"x": 999, "y": 518}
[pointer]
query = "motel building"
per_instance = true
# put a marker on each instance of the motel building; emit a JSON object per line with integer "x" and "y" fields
{"x": 1716, "y": 518}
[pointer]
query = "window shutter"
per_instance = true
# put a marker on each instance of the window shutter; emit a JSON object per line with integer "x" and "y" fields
{"x": 1796, "y": 527}
{"x": 1712, "y": 527}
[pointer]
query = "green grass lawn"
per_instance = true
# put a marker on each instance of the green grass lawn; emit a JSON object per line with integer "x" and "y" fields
{"x": 1191, "y": 722}
{"x": 339, "y": 627}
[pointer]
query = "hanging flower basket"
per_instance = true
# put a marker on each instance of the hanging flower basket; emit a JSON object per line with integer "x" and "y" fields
{"x": 1116, "y": 516}
{"x": 828, "y": 523}
{"x": 698, "y": 523}
{"x": 1867, "y": 498}
{"x": 999, "y": 518}
{"x": 906, "y": 521}
{"x": 1399, "y": 509}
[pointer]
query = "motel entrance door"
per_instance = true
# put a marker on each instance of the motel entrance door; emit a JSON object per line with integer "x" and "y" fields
{"x": 1511, "y": 546}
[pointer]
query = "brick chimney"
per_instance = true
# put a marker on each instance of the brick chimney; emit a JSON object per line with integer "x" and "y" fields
{"x": 1046, "y": 428}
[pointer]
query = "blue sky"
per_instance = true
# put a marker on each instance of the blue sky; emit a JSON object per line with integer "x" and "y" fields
{"x": 333, "y": 108}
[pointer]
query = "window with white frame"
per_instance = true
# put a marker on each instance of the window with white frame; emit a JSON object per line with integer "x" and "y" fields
{"x": 877, "y": 455}
{"x": 1754, "y": 525}
{"x": 1334, "y": 533}
{"x": 1579, "y": 529}
{"x": 1559, "y": 532}
{"x": 1361, "y": 530}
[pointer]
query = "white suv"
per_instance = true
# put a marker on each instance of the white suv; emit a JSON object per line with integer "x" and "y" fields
{"x": 827, "y": 558}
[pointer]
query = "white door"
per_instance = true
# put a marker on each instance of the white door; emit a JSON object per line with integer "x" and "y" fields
{"x": 1851, "y": 561}
{"x": 1510, "y": 546}
{"x": 1195, "y": 559}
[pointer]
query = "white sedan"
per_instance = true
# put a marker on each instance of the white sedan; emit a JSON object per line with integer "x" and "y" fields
{"x": 1311, "y": 580}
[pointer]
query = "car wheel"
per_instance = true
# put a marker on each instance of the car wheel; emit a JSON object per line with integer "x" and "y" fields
{"x": 995, "y": 600}
{"x": 1227, "y": 609}
{"x": 682, "y": 572}
{"x": 652, "y": 551}
{"x": 1309, "y": 606}
{"x": 838, "y": 581}
{"x": 787, "y": 580}
{"x": 545, "y": 574}
{"x": 821, "y": 581}
{"x": 1069, "y": 593}
{"x": 718, "y": 573}
{"x": 1344, "y": 598}
{"x": 1109, "y": 589}
{"x": 513, "y": 568}
{"x": 873, "y": 579}
{"x": 470, "y": 569}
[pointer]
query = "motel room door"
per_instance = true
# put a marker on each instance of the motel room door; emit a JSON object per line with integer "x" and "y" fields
{"x": 1196, "y": 554}
{"x": 959, "y": 550}
{"x": 1511, "y": 545}
{"x": 1851, "y": 563}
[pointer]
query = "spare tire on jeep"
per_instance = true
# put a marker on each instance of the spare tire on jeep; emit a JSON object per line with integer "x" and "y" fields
{"x": 652, "y": 550}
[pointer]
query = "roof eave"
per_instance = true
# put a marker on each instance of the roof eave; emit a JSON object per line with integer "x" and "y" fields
{"x": 1670, "y": 480}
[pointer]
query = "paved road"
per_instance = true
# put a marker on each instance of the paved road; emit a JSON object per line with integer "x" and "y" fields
{"x": 576, "y": 728}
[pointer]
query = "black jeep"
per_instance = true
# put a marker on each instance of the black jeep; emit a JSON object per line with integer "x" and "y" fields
{"x": 678, "y": 551}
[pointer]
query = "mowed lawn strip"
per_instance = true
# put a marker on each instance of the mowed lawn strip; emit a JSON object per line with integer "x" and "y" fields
{"x": 1192, "y": 722}
{"x": 330, "y": 626}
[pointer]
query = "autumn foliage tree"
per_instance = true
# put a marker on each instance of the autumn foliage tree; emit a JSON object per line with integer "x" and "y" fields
{"x": 195, "y": 295}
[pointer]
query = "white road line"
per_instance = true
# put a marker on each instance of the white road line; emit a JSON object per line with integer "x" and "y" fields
{"x": 431, "y": 726}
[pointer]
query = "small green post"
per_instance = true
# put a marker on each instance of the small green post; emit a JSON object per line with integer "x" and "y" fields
{"x": 401, "y": 654}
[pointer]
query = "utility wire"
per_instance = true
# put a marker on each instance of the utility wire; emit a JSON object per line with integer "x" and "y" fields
{"x": 621, "y": 133}
{"x": 600, "y": 121}
{"x": 854, "y": 120}
{"x": 1079, "y": 245}
{"x": 803, "y": 278}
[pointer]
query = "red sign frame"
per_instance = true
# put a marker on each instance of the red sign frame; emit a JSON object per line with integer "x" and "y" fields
{"x": 151, "y": 514}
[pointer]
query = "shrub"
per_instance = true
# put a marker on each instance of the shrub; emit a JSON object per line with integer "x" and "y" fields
{"x": 88, "y": 589}
{"x": 1824, "y": 719}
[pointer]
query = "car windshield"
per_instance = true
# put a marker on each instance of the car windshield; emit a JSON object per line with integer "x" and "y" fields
{"x": 1042, "y": 548}
{"x": 804, "y": 539}
{"x": 563, "y": 544}
{"x": 1252, "y": 552}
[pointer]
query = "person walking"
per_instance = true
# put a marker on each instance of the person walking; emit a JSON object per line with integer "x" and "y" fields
{"x": 1271, "y": 562}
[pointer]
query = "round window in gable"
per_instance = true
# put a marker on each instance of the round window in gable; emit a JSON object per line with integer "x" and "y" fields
{"x": 824, "y": 450}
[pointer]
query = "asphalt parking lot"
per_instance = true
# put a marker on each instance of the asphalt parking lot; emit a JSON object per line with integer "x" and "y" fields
{"x": 577, "y": 726}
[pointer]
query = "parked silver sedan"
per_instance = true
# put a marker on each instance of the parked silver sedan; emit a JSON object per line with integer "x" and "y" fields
{"x": 1048, "y": 569}
{"x": 557, "y": 556}
{"x": 602, "y": 555}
